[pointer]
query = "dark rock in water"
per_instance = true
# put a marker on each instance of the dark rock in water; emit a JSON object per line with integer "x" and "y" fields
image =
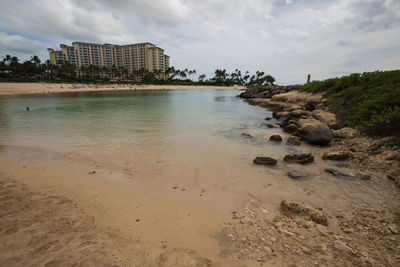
{"x": 265, "y": 161}
{"x": 272, "y": 126}
{"x": 276, "y": 138}
{"x": 294, "y": 140}
{"x": 299, "y": 158}
{"x": 336, "y": 155}
{"x": 247, "y": 135}
{"x": 268, "y": 118}
{"x": 299, "y": 175}
{"x": 339, "y": 174}
{"x": 299, "y": 209}
{"x": 315, "y": 132}
{"x": 291, "y": 128}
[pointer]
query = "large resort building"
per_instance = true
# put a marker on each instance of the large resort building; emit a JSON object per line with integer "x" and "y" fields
{"x": 132, "y": 58}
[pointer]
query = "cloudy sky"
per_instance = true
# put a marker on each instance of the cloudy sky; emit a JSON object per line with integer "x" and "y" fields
{"x": 285, "y": 38}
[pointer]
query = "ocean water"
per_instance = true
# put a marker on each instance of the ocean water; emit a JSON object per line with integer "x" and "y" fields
{"x": 157, "y": 139}
{"x": 114, "y": 120}
{"x": 192, "y": 136}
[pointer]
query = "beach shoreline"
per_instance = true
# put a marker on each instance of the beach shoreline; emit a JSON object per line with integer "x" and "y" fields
{"x": 35, "y": 88}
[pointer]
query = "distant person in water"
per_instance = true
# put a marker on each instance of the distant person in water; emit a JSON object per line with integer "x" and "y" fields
{"x": 27, "y": 109}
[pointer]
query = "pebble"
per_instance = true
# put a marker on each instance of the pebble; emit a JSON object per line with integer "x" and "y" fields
{"x": 393, "y": 229}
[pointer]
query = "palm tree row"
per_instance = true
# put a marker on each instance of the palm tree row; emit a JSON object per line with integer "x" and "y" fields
{"x": 10, "y": 67}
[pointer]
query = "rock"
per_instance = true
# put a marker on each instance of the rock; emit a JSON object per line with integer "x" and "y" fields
{"x": 283, "y": 114}
{"x": 393, "y": 229}
{"x": 314, "y": 131}
{"x": 298, "y": 112}
{"x": 320, "y": 106}
{"x": 375, "y": 148}
{"x": 336, "y": 155}
{"x": 299, "y": 209}
{"x": 265, "y": 161}
{"x": 342, "y": 247}
{"x": 298, "y": 175}
{"x": 294, "y": 140}
{"x": 311, "y": 105}
{"x": 299, "y": 158}
{"x": 271, "y": 126}
{"x": 291, "y": 128}
{"x": 325, "y": 117}
{"x": 345, "y": 133}
{"x": 247, "y": 135}
{"x": 339, "y": 174}
{"x": 276, "y": 138}
{"x": 363, "y": 176}
{"x": 268, "y": 118}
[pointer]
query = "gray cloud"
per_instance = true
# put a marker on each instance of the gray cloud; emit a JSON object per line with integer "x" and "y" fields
{"x": 287, "y": 39}
{"x": 16, "y": 44}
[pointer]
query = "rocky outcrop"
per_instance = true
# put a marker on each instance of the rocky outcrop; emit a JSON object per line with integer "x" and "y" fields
{"x": 300, "y": 210}
{"x": 299, "y": 158}
{"x": 326, "y": 117}
{"x": 314, "y": 131}
{"x": 265, "y": 161}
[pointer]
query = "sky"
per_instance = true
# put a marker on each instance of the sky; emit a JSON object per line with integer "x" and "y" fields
{"x": 287, "y": 39}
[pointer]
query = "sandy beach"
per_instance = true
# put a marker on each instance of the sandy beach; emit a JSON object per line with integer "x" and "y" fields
{"x": 181, "y": 198}
{"x": 29, "y": 88}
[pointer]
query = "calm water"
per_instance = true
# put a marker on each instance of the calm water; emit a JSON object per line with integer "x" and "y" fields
{"x": 191, "y": 135}
{"x": 115, "y": 120}
{"x": 186, "y": 137}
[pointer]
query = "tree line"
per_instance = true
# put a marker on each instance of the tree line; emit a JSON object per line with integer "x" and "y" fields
{"x": 11, "y": 69}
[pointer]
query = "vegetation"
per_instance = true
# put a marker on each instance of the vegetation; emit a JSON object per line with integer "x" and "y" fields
{"x": 33, "y": 70}
{"x": 369, "y": 102}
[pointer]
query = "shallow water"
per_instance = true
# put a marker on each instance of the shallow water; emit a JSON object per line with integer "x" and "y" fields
{"x": 162, "y": 138}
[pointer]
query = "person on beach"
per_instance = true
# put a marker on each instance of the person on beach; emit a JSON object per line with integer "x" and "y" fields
{"x": 27, "y": 109}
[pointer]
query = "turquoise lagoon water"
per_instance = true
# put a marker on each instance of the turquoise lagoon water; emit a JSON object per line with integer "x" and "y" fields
{"x": 112, "y": 119}
{"x": 185, "y": 134}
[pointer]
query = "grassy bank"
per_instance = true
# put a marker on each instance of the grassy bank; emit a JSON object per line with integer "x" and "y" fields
{"x": 369, "y": 102}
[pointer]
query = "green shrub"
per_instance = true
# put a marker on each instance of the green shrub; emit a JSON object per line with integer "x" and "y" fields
{"x": 369, "y": 102}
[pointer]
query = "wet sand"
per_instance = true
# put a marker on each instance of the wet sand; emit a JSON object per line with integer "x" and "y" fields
{"x": 29, "y": 88}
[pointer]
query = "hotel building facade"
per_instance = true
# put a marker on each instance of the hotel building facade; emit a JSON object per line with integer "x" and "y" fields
{"x": 132, "y": 57}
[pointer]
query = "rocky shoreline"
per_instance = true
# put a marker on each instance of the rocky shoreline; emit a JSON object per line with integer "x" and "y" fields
{"x": 308, "y": 118}
{"x": 299, "y": 235}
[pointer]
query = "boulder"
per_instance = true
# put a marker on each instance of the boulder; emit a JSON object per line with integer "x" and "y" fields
{"x": 345, "y": 133}
{"x": 310, "y": 105}
{"x": 299, "y": 158}
{"x": 298, "y": 112}
{"x": 314, "y": 131}
{"x": 265, "y": 161}
{"x": 336, "y": 155}
{"x": 294, "y": 140}
{"x": 276, "y": 138}
{"x": 291, "y": 128}
{"x": 325, "y": 117}
{"x": 300, "y": 210}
